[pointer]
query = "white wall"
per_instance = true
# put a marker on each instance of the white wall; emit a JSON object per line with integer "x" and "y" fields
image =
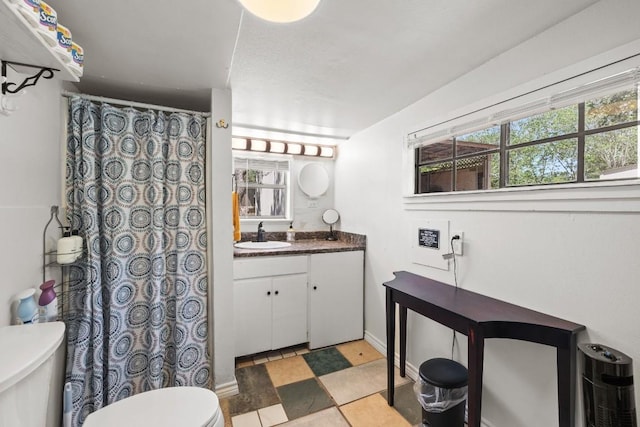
{"x": 30, "y": 182}
{"x": 573, "y": 259}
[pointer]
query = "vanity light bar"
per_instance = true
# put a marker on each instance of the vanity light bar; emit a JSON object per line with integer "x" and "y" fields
{"x": 282, "y": 147}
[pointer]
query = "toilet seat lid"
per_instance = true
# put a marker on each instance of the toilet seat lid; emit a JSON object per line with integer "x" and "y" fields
{"x": 170, "y": 407}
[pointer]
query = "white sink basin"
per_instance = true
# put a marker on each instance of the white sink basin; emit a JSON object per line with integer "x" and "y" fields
{"x": 262, "y": 245}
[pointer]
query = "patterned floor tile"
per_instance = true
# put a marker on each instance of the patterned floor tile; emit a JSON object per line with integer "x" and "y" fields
{"x": 359, "y": 352}
{"x": 325, "y": 361}
{"x": 289, "y": 370}
{"x": 274, "y": 355}
{"x": 360, "y": 381}
{"x": 289, "y": 352}
{"x": 244, "y": 362}
{"x": 373, "y": 411}
{"x": 256, "y": 390}
{"x": 295, "y": 386}
{"x": 260, "y": 358}
{"x": 326, "y": 418}
{"x": 303, "y": 398}
{"x": 272, "y": 415}
{"x": 406, "y": 402}
{"x": 250, "y": 419}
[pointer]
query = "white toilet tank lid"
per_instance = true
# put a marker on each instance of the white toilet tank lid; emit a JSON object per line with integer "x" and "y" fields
{"x": 24, "y": 348}
{"x": 165, "y": 407}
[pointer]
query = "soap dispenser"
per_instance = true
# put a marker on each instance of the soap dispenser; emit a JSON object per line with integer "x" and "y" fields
{"x": 291, "y": 234}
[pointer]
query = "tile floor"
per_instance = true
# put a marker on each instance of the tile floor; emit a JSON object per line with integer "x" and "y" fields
{"x": 338, "y": 386}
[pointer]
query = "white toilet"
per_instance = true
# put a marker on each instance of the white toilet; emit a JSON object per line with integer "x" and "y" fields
{"x": 31, "y": 386}
{"x": 165, "y": 407}
{"x": 31, "y": 375}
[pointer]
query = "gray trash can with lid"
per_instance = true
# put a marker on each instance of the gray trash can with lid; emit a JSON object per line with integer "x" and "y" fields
{"x": 441, "y": 390}
{"x": 607, "y": 387}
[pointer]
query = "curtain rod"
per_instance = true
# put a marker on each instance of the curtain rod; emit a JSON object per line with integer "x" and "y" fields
{"x": 124, "y": 103}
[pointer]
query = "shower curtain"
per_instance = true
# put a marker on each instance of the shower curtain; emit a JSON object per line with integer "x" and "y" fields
{"x": 137, "y": 315}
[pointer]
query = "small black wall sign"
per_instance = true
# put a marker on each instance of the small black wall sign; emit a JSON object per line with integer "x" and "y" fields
{"x": 428, "y": 238}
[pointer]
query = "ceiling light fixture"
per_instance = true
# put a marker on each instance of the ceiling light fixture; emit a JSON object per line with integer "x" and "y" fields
{"x": 280, "y": 11}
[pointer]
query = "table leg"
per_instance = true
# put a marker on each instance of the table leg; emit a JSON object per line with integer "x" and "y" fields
{"x": 566, "y": 365}
{"x": 391, "y": 340}
{"x": 476, "y": 360}
{"x": 403, "y": 340}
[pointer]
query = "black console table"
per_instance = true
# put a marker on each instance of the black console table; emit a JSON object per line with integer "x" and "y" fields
{"x": 480, "y": 317}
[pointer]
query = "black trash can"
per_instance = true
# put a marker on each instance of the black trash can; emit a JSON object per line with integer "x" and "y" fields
{"x": 442, "y": 392}
{"x": 607, "y": 387}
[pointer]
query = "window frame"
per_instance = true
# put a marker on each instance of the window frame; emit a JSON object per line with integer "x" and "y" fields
{"x": 505, "y": 148}
{"x": 288, "y": 186}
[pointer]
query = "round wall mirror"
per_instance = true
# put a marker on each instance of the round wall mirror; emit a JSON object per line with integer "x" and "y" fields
{"x": 330, "y": 217}
{"x": 313, "y": 180}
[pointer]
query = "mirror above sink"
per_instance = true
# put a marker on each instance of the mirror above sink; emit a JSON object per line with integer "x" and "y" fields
{"x": 313, "y": 180}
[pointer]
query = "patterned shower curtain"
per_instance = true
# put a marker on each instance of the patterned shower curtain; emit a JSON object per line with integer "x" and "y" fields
{"x": 137, "y": 315}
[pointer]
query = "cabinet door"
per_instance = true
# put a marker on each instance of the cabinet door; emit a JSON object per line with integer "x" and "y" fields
{"x": 336, "y": 298}
{"x": 252, "y": 315}
{"x": 289, "y": 317}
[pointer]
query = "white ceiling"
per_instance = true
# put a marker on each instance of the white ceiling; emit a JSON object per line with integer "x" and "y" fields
{"x": 347, "y": 66}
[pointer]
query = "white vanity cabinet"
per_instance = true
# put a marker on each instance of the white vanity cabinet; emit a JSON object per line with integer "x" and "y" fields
{"x": 270, "y": 303}
{"x": 280, "y": 301}
{"x": 336, "y": 298}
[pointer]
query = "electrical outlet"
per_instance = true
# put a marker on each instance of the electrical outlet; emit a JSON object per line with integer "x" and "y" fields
{"x": 312, "y": 204}
{"x": 457, "y": 244}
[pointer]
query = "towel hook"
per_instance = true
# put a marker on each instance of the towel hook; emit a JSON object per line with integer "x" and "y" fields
{"x": 222, "y": 124}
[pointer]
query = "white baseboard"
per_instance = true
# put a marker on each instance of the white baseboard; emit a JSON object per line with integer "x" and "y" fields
{"x": 411, "y": 370}
{"x": 227, "y": 389}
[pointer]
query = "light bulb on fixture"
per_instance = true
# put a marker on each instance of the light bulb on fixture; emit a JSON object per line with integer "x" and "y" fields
{"x": 280, "y": 11}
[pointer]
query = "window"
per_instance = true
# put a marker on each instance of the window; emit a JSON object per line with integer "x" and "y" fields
{"x": 263, "y": 187}
{"x": 588, "y": 141}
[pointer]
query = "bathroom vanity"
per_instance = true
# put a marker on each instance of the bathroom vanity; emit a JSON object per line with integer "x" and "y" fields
{"x": 309, "y": 292}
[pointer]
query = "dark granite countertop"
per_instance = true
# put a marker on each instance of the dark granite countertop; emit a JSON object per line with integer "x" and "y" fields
{"x": 305, "y": 243}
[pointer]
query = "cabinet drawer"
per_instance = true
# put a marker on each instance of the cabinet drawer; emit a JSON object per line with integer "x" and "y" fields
{"x": 269, "y": 266}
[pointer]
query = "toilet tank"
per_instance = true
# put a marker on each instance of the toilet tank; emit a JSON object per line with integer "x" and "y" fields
{"x": 31, "y": 375}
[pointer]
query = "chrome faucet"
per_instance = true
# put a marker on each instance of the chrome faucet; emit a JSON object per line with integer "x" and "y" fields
{"x": 260, "y": 233}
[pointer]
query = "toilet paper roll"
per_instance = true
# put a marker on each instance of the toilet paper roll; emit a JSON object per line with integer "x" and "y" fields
{"x": 77, "y": 243}
{"x": 30, "y": 9}
{"x": 67, "y": 251}
{"x": 78, "y": 59}
{"x": 48, "y": 28}
{"x": 63, "y": 49}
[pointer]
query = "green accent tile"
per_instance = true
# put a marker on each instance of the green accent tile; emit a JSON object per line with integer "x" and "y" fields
{"x": 303, "y": 398}
{"x": 406, "y": 402}
{"x": 256, "y": 390}
{"x": 325, "y": 361}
